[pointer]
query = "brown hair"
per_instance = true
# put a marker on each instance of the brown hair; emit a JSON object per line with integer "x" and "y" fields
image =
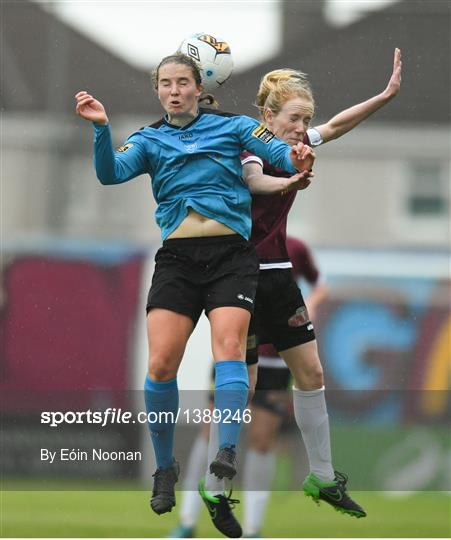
{"x": 280, "y": 85}
{"x": 183, "y": 59}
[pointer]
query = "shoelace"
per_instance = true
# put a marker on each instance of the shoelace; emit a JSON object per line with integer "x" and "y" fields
{"x": 231, "y": 501}
{"x": 229, "y": 455}
{"x": 341, "y": 478}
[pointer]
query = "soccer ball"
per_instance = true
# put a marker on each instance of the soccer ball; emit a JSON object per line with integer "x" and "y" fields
{"x": 213, "y": 56}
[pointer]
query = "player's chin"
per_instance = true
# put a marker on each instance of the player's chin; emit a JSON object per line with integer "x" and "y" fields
{"x": 176, "y": 108}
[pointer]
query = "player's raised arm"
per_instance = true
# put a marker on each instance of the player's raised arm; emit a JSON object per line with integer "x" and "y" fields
{"x": 111, "y": 168}
{"x": 90, "y": 109}
{"x": 350, "y": 118}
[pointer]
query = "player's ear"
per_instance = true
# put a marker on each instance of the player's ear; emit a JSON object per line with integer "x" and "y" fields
{"x": 268, "y": 117}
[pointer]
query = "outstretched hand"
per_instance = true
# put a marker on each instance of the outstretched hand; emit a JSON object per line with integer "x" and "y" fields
{"x": 90, "y": 109}
{"x": 394, "y": 84}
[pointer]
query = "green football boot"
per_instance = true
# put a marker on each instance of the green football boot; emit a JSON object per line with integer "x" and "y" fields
{"x": 334, "y": 493}
{"x": 220, "y": 509}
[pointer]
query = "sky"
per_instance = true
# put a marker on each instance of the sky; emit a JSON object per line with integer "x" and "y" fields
{"x": 142, "y": 32}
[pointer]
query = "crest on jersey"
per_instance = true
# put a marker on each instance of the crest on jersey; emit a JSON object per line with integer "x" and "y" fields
{"x": 191, "y": 147}
{"x": 263, "y": 133}
{"x": 221, "y": 47}
{"x": 124, "y": 148}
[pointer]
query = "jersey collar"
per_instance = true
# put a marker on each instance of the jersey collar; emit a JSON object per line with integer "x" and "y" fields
{"x": 181, "y": 128}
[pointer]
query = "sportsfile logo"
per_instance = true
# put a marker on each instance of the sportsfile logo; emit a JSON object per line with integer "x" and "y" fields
{"x": 55, "y": 419}
{"x": 245, "y": 298}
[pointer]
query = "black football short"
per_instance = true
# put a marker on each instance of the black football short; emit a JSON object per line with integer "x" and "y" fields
{"x": 280, "y": 315}
{"x": 196, "y": 274}
{"x": 272, "y": 389}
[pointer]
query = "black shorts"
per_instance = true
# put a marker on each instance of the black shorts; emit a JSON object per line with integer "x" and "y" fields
{"x": 272, "y": 389}
{"x": 280, "y": 316}
{"x": 196, "y": 274}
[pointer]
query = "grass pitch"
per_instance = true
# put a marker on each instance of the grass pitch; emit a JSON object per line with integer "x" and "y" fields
{"x": 125, "y": 513}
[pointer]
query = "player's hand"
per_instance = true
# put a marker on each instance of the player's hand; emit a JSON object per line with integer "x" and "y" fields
{"x": 298, "y": 181}
{"x": 90, "y": 109}
{"x": 302, "y": 157}
{"x": 394, "y": 84}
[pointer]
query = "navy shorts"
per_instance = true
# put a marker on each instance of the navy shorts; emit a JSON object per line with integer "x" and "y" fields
{"x": 196, "y": 274}
{"x": 272, "y": 389}
{"x": 280, "y": 315}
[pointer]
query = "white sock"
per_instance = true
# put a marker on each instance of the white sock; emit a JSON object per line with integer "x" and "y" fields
{"x": 191, "y": 501}
{"x": 258, "y": 474}
{"x": 212, "y": 483}
{"x": 312, "y": 419}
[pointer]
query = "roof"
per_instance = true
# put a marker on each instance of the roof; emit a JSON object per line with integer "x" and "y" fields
{"x": 45, "y": 62}
{"x": 350, "y": 64}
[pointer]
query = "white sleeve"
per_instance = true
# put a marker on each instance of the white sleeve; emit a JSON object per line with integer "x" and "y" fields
{"x": 252, "y": 158}
{"x": 315, "y": 137}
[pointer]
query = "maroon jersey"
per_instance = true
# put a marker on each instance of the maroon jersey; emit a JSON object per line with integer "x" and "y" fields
{"x": 269, "y": 217}
{"x": 301, "y": 257}
{"x": 269, "y": 231}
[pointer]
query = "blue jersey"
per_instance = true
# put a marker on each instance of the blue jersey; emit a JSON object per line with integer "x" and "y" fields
{"x": 195, "y": 166}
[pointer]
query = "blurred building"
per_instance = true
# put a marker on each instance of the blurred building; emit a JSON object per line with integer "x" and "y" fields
{"x": 385, "y": 185}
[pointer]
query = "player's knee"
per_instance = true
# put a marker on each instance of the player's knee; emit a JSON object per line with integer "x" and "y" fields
{"x": 160, "y": 370}
{"x": 309, "y": 375}
{"x": 230, "y": 347}
{"x": 314, "y": 377}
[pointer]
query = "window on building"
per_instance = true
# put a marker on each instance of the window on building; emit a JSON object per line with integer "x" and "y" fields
{"x": 429, "y": 190}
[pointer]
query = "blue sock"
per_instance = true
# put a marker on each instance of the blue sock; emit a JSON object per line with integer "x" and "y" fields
{"x": 162, "y": 397}
{"x": 231, "y": 388}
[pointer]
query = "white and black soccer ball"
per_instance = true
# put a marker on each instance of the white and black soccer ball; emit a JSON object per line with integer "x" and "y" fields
{"x": 213, "y": 56}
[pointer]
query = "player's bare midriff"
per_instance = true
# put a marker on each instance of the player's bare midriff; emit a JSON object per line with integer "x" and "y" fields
{"x": 197, "y": 225}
